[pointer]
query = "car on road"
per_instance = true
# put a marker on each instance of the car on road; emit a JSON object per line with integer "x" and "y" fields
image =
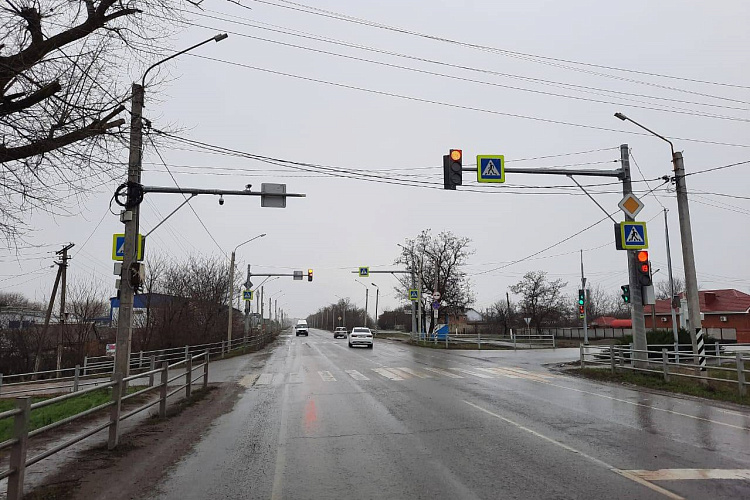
{"x": 340, "y": 331}
{"x": 360, "y": 335}
{"x": 301, "y": 328}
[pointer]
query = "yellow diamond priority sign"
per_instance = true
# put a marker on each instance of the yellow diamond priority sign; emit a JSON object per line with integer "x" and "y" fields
{"x": 631, "y": 205}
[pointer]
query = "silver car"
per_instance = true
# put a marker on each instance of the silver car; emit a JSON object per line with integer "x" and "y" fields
{"x": 340, "y": 331}
{"x": 360, "y": 335}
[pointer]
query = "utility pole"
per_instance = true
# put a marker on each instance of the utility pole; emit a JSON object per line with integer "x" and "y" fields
{"x": 64, "y": 268}
{"x": 585, "y": 305}
{"x": 248, "y": 304}
{"x": 671, "y": 281}
{"x": 43, "y": 339}
{"x": 636, "y": 292}
{"x": 688, "y": 259}
{"x": 508, "y": 316}
{"x": 414, "y": 302}
{"x": 231, "y": 297}
{"x": 262, "y": 319}
{"x": 130, "y": 218}
{"x": 367, "y": 298}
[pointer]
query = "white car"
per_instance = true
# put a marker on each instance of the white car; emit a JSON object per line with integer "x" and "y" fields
{"x": 360, "y": 336}
{"x": 301, "y": 328}
{"x": 340, "y": 331}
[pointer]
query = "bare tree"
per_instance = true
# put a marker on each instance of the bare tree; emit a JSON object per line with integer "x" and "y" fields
{"x": 62, "y": 95}
{"x": 664, "y": 291}
{"x": 440, "y": 258}
{"x": 541, "y": 300}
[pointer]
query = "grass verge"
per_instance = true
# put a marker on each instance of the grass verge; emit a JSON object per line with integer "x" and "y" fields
{"x": 720, "y": 391}
{"x": 56, "y": 411}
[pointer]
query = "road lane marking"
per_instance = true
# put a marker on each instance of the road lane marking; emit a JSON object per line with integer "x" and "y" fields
{"x": 356, "y": 375}
{"x": 441, "y": 372}
{"x": 264, "y": 379}
{"x": 387, "y": 374}
{"x": 414, "y": 373}
{"x": 688, "y": 474}
{"x": 702, "y": 419}
{"x": 326, "y": 376}
{"x": 248, "y": 380}
{"x": 278, "y": 473}
{"x": 398, "y": 372}
{"x": 623, "y": 473}
{"x": 469, "y": 372}
{"x": 500, "y": 371}
{"x": 295, "y": 378}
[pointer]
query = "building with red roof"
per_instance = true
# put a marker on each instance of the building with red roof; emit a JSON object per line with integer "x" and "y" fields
{"x": 727, "y": 308}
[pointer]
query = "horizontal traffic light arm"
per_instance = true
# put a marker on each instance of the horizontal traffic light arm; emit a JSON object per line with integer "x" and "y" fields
{"x": 619, "y": 173}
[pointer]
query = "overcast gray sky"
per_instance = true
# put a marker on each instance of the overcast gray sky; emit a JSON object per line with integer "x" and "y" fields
{"x": 388, "y": 150}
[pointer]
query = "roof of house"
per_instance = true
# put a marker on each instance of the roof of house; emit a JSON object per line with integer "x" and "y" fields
{"x": 603, "y": 321}
{"x": 711, "y": 301}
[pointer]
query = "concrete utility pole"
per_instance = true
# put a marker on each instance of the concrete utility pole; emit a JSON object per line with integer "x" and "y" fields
{"x": 414, "y": 302}
{"x": 671, "y": 281}
{"x": 248, "y": 304}
{"x": 64, "y": 279}
{"x": 585, "y": 305}
{"x": 688, "y": 257}
{"x": 231, "y": 284}
{"x": 377, "y": 296}
{"x": 131, "y": 219}
{"x": 636, "y": 292}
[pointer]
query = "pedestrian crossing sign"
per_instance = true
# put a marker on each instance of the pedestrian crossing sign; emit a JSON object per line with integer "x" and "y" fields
{"x": 247, "y": 295}
{"x": 633, "y": 236}
{"x": 364, "y": 272}
{"x": 490, "y": 168}
{"x": 413, "y": 294}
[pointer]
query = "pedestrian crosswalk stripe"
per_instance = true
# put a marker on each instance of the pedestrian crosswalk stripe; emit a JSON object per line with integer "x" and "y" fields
{"x": 387, "y": 374}
{"x": 442, "y": 372}
{"x": 326, "y": 376}
{"x": 356, "y": 375}
{"x": 264, "y": 379}
{"x": 399, "y": 373}
{"x": 248, "y": 380}
{"x": 469, "y": 372}
{"x": 414, "y": 373}
{"x": 499, "y": 371}
{"x": 295, "y": 378}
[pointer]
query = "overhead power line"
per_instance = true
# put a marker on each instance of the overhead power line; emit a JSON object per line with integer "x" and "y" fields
{"x": 457, "y": 106}
{"x": 551, "y": 61}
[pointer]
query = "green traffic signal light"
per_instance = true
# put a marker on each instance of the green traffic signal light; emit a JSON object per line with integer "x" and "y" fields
{"x": 625, "y": 293}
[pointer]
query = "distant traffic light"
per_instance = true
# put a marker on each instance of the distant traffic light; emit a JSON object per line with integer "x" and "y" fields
{"x": 644, "y": 268}
{"x": 581, "y": 303}
{"x": 309, "y": 274}
{"x": 625, "y": 293}
{"x": 453, "y": 169}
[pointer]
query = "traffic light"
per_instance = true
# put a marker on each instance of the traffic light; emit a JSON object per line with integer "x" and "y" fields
{"x": 453, "y": 169}
{"x": 581, "y": 302}
{"x": 625, "y": 293}
{"x": 644, "y": 268}
{"x": 309, "y": 275}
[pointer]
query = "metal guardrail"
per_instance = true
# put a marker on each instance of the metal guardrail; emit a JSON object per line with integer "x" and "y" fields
{"x": 22, "y": 413}
{"x": 95, "y": 368}
{"x": 516, "y": 341}
{"x": 668, "y": 363}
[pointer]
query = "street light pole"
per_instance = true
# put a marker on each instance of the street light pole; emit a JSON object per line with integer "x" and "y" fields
{"x": 367, "y": 297}
{"x": 377, "y": 297}
{"x": 231, "y": 286}
{"x": 688, "y": 257}
{"x": 131, "y": 218}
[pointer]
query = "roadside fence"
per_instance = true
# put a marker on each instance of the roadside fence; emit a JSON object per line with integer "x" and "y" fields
{"x": 97, "y": 370}
{"x": 671, "y": 363}
{"x": 515, "y": 340}
{"x": 21, "y": 414}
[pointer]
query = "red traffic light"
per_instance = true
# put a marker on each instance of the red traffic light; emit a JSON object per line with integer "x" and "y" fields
{"x": 644, "y": 268}
{"x": 642, "y": 256}
{"x": 455, "y": 154}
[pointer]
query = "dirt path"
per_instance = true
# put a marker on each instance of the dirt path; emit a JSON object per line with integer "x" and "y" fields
{"x": 143, "y": 455}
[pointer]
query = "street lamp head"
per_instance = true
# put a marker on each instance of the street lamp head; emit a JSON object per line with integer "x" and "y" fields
{"x": 621, "y": 116}
{"x": 374, "y": 285}
{"x": 220, "y": 37}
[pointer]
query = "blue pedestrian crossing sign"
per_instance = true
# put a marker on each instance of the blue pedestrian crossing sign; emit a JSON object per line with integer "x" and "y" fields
{"x": 490, "y": 168}
{"x": 364, "y": 272}
{"x": 247, "y": 295}
{"x": 413, "y": 294}
{"x": 118, "y": 247}
{"x": 633, "y": 235}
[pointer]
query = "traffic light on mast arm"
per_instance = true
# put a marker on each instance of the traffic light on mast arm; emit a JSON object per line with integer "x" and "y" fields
{"x": 309, "y": 274}
{"x": 581, "y": 302}
{"x": 453, "y": 169}
{"x": 644, "y": 268}
{"x": 625, "y": 293}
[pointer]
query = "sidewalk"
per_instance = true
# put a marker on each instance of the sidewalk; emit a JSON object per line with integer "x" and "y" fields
{"x": 220, "y": 372}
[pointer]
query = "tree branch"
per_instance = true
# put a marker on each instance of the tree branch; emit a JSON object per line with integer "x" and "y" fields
{"x": 43, "y": 93}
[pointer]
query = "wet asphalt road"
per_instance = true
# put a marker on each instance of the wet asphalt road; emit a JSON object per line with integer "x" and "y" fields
{"x": 322, "y": 421}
